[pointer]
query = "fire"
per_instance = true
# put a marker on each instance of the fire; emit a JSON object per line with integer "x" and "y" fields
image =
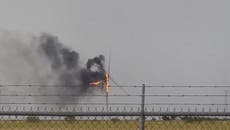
{"x": 107, "y": 83}
{"x": 96, "y": 83}
{"x": 100, "y": 82}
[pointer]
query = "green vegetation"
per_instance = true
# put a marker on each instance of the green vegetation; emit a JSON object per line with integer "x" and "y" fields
{"x": 115, "y": 120}
{"x": 70, "y": 118}
{"x": 115, "y": 124}
{"x": 199, "y": 119}
{"x": 32, "y": 119}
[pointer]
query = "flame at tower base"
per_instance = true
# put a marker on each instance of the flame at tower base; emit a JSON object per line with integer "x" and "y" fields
{"x": 107, "y": 83}
{"x": 100, "y": 82}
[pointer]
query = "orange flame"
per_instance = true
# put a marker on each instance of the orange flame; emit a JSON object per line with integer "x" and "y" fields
{"x": 107, "y": 83}
{"x": 99, "y": 82}
{"x": 96, "y": 83}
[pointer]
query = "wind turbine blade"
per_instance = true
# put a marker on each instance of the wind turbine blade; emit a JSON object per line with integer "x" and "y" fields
{"x": 118, "y": 85}
{"x": 109, "y": 67}
{"x": 109, "y": 64}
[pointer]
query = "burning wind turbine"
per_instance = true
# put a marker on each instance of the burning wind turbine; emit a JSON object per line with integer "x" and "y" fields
{"x": 105, "y": 82}
{"x": 50, "y": 62}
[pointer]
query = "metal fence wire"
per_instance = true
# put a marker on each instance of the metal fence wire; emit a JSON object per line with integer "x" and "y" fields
{"x": 38, "y": 107}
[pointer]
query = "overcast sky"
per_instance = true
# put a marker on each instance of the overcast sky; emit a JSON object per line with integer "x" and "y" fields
{"x": 157, "y": 42}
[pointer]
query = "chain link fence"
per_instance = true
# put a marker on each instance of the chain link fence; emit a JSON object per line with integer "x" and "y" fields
{"x": 125, "y": 122}
{"x": 137, "y": 108}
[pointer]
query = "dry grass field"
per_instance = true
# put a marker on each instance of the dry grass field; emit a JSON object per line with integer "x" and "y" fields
{"x": 114, "y": 125}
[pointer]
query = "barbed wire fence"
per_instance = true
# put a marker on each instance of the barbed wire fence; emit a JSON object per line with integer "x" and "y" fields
{"x": 139, "y": 107}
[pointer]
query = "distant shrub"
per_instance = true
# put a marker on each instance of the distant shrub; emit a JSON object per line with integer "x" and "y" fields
{"x": 198, "y": 119}
{"x": 153, "y": 119}
{"x": 115, "y": 119}
{"x": 189, "y": 119}
{"x": 70, "y": 118}
{"x": 32, "y": 119}
{"x": 166, "y": 118}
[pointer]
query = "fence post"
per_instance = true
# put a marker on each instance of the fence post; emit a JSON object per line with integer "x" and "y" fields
{"x": 142, "y": 117}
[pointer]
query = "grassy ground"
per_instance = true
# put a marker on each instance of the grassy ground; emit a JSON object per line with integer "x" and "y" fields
{"x": 114, "y": 125}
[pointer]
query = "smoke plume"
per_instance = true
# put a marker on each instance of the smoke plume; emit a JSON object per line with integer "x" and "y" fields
{"x": 45, "y": 60}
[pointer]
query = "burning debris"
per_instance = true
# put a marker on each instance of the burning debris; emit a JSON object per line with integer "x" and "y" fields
{"x": 96, "y": 83}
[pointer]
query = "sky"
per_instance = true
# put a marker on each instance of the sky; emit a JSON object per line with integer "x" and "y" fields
{"x": 160, "y": 42}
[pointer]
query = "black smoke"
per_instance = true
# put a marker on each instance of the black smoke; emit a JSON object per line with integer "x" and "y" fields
{"x": 88, "y": 75}
{"x": 65, "y": 62}
{"x": 28, "y": 59}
